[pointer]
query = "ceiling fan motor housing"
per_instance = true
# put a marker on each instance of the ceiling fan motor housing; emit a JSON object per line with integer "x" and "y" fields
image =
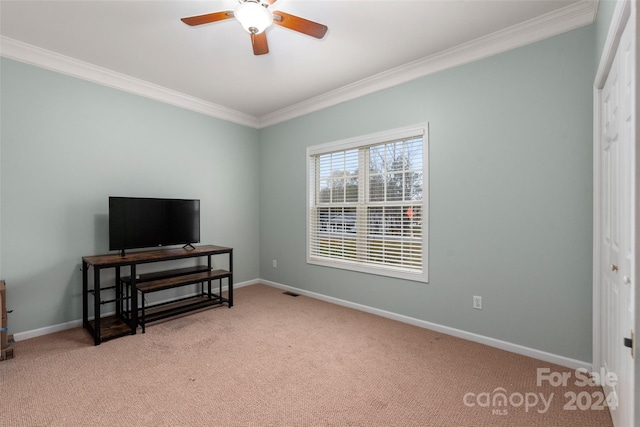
{"x": 254, "y": 16}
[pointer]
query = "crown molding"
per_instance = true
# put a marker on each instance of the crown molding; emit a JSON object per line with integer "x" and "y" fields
{"x": 569, "y": 18}
{"x": 33, "y": 55}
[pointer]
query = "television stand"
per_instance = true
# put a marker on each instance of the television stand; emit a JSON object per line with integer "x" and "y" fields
{"x": 131, "y": 312}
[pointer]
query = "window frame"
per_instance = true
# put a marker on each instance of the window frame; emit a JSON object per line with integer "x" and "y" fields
{"x": 398, "y": 134}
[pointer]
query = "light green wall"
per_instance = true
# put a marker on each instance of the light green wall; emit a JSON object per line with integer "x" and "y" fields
{"x": 603, "y": 22}
{"x": 68, "y": 144}
{"x": 510, "y": 204}
{"x": 510, "y": 190}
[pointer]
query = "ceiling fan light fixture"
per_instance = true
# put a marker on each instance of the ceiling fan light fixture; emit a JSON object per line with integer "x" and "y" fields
{"x": 253, "y": 16}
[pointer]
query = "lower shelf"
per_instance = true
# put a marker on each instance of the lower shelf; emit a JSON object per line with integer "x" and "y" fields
{"x": 111, "y": 327}
{"x": 174, "y": 308}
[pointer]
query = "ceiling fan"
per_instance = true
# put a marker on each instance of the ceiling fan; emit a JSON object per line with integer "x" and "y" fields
{"x": 255, "y": 16}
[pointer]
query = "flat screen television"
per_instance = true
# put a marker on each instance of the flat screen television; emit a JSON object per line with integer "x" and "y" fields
{"x": 139, "y": 222}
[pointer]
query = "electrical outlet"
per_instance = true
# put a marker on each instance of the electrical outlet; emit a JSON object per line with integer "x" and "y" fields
{"x": 275, "y": 264}
{"x": 477, "y": 302}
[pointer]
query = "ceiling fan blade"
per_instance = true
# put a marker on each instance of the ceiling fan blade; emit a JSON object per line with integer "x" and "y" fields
{"x": 259, "y": 42}
{"x": 300, "y": 25}
{"x": 208, "y": 18}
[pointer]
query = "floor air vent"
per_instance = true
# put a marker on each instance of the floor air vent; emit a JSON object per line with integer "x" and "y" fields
{"x": 291, "y": 294}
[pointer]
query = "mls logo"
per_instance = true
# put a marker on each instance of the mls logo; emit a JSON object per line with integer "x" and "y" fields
{"x": 499, "y": 412}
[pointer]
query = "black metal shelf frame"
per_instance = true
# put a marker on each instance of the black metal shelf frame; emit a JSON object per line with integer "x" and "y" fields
{"x": 129, "y": 313}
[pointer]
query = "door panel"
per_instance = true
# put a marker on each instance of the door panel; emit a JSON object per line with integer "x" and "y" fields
{"x": 617, "y": 169}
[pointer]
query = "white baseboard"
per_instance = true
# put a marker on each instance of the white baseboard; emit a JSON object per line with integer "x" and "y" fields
{"x": 470, "y": 336}
{"x": 20, "y": 336}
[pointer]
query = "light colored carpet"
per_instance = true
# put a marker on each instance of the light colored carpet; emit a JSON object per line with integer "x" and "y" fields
{"x": 277, "y": 360}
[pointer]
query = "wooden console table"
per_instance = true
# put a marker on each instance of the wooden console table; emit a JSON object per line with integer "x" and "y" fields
{"x": 129, "y": 314}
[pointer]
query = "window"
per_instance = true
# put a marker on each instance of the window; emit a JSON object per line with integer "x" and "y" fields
{"x": 367, "y": 203}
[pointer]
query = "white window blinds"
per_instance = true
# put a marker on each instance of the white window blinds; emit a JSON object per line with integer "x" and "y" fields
{"x": 367, "y": 204}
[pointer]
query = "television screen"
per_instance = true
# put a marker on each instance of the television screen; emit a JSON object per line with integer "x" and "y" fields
{"x": 138, "y": 222}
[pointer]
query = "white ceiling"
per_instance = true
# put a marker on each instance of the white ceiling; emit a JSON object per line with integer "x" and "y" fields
{"x": 143, "y": 47}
